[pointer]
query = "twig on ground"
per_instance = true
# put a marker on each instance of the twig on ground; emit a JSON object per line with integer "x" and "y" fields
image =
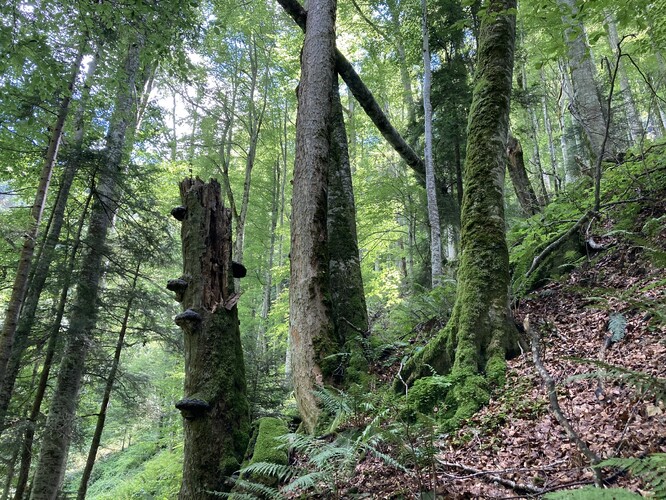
{"x": 555, "y": 405}
{"x": 530, "y": 488}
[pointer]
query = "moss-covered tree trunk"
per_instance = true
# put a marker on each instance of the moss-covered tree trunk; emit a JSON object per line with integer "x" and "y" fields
{"x": 473, "y": 346}
{"x": 521, "y": 183}
{"x": 311, "y": 329}
{"x": 215, "y": 408}
{"x": 348, "y": 308}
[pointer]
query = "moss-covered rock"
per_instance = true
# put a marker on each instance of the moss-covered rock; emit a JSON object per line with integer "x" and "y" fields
{"x": 267, "y": 446}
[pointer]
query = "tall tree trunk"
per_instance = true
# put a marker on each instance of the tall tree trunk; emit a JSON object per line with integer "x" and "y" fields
{"x": 480, "y": 334}
{"x": 215, "y": 407}
{"x": 586, "y": 104}
{"x": 62, "y": 412}
{"x": 54, "y": 337}
{"x": 348, "y": 307}
{"x": 41, "y": 269}
{"x": 311, "y": 329}
{"x": 106, "y": 397}
{"x": 521, "y": 183}
{"x": 431, "y": 190}
{"x": 549, "y": 133}
{"x": 20, "y": 286}
{"x": 405, "y": 78}
{"x": 534, "y": 135}
{"x": 633, "y": 118}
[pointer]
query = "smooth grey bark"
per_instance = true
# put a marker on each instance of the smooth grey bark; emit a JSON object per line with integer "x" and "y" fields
{"x": 108, "y": 388}
{"x": 62, "y": 412}
{"x": 586, "y": 104}
{"x": 431, "y": 189}
{"x": 521, "y": 183}
{"x": 555, "y": 177}
{"x": 311, "y": 328}
{"x": 348, "y": 306}
{"x": 636, "y": 131}
{"x": 47, "y": 253}
{"x": 20, "y": 286}
{"x": 480, "y": 334}
{"x": 215, "y": 409}
{"x": 54, "y": 336}
{"x": 534, "y": 135}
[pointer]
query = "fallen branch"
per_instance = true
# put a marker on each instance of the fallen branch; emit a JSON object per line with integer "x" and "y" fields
{"x": 558, "y": 243}
{"x": 530, "y": 488}
{"x": 555, "y": 405}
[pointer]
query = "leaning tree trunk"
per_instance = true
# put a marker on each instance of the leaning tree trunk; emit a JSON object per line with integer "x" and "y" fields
{"x": 521, "y": 183}
{"x": 21, "y": 279}
{"x": 215, "y": 407}
{"x": 480, "y": 334}
{"x": 311, "y": 329}
{"x": 62, "y": 413}
{"x": 348, "y": 307}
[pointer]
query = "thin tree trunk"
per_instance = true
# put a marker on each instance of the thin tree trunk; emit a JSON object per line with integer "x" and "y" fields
{"x": 534, "y": 133}
{"x": 311, "y": 329}
{"x": 431, "y": 190}
{"x": 41, "y": 269}
{"x": 549, "y": 133}
{"x": 59, "y": 424}
{"x": 636, "y": 131}
{"x": 110, "y": 380}
{"x": 20, "y": 286}
{"x": 215, "y": 407}
{"x": 405, "y": 78}
{"x": 54, "y": 336}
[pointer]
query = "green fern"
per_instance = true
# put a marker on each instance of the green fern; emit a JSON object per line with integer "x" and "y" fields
{"x": 644, "y": 383}
{"x": 651, "y": 469}
{"x": 281, "y": 472}
{"x": 307, "y": 481}
{"x": 617, "y": 326}
{"x": 592, "y": 493}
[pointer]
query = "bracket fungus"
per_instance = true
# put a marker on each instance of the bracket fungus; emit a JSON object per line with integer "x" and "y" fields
{"x": 188, "y": 320}
{"x": 179, "y": 213}
{"x": 238, "y": 270}
{"x": 191, "y": 408}
{"x": 178, "y": 286}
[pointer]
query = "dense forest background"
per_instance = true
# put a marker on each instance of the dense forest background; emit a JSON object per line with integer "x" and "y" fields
{"x": 106, "y": 106}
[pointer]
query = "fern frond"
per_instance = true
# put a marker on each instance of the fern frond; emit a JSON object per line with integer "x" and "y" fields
{"x": 281, "y": 472}
{"x": 652, "y": 469}
{"x": 250, "y": 490}
{"x": 387, "y": 459}
{"x": 306, "y": 482}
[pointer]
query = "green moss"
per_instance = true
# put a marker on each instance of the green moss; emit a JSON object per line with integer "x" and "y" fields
{"x": 427, "y": 392}
{"x": 267, "y": 446}
{"x": 496, "y": 369}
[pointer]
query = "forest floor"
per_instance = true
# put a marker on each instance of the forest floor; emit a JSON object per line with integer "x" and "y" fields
{"x": 515, "y": 447}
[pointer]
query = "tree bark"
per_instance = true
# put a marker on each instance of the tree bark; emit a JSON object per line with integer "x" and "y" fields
{"x": 41, "y": 269}
{"x": 59, "y": 425}
{"x": 311, "y": 329}
{"x": 106, "y": 397}
{"x": 549, "y": 133}
{"x": 348, "y": 307}
{"x": 363, "y": 96}
{"x": 54, "y": 337}
{"x": 480, "y": 334}
{"x": 586, "y": 104}
{"x": 431, "y": 189}
{"x": 20, "y": 286}
{"x": 215, "y": 408}
{"x": 521, "y": 183}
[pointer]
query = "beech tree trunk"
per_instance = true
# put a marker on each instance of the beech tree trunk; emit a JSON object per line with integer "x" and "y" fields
{"x": 431, "y": 190}
{"x": 521, "y": 183}
{"x": 586, "y": 105}
{"x": 215, "y": 409}
{"x": 311, "y": 328}
{"x": 21, "y": 279}
{"x": 480, "y": 334}
{"x": 348, "y": 307}
{"x": 59, "y": 425}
